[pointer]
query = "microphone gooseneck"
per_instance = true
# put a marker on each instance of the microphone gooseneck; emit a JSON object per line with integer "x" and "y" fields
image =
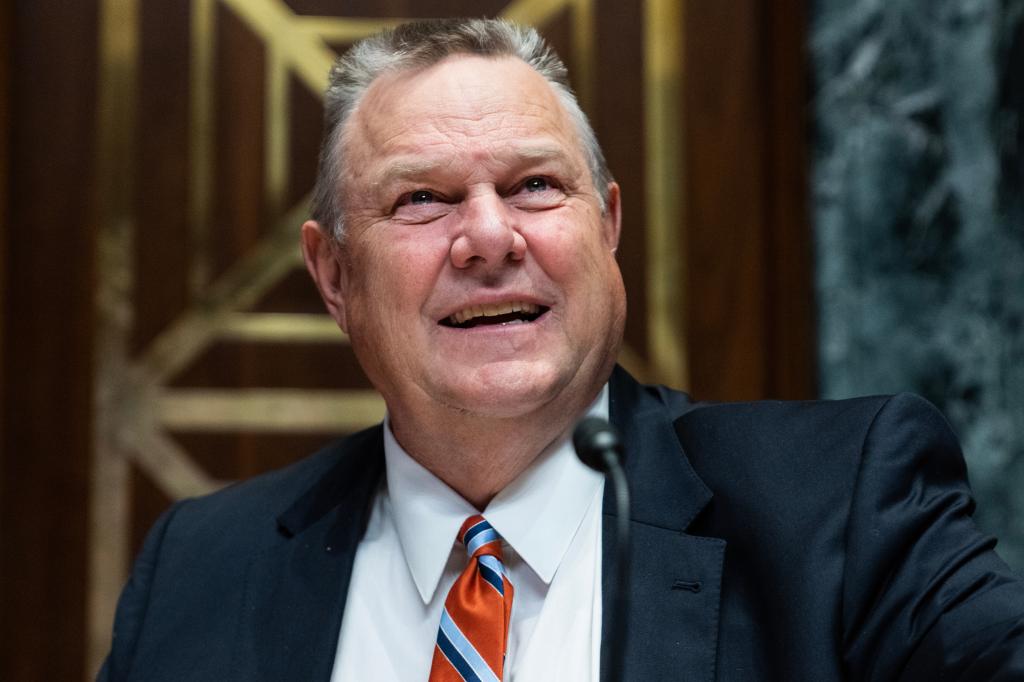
{"x": 598, "y": 445}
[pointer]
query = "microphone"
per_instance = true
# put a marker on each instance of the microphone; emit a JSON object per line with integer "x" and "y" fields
{"x": 598, "y": 445}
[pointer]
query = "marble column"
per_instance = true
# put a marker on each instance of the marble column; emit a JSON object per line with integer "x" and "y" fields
{"x": 918, "y": 208}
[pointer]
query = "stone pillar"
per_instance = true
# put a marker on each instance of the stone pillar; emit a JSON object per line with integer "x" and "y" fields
{"x": 918, "y": 206}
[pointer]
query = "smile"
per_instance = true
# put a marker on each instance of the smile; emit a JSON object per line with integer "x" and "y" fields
{"x": 509, "y": 312}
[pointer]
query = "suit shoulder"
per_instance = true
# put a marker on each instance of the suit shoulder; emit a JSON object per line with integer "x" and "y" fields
{"x": 248, "y": 510}
{"x": 776, "y": 443}
{"x": 272, "y": 487}
{"x": 796, "y": 419}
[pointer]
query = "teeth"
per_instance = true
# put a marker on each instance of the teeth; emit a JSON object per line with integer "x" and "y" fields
{"x": 493, "y": 310}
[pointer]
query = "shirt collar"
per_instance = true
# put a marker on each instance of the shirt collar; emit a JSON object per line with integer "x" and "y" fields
{"x": 538, "y": 513}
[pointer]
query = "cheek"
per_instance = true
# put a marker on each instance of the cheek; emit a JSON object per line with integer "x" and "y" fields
{"x": 399, "y": 280}
{"x": 570, "y": 253}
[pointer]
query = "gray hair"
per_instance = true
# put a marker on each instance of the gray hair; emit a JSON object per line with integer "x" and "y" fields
{"x": 422, "y": 44}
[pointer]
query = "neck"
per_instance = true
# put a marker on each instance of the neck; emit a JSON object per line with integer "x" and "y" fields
{"x": 477, "y": 456}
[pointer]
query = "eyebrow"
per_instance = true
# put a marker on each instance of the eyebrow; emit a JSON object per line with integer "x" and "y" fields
{"x": 406, "y": 169}
{"x": 410, "y": 167}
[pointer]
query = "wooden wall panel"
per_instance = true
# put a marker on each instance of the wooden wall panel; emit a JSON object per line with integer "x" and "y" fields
{"x": 162, "y": 250}
{"x": 208, "y": 154}
{"x": 618, "y": 120}
{"x": 725, "y": 149}
{"x": 749, "y": 312}
{"x": 306, "y": 124}
{"x": 46, "y": 427}
{"x": 6, "y": 54}
{"x": 791, "y": 344}
{"x": 240, "y": 209}
{"x": 385, "y": 9}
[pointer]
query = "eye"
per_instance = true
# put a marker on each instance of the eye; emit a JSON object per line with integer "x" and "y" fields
{"x": 420, "y": 206}
{"x": 421, "y": 196}
{"x": 536, "y": 184}
{"x": 537, "y": 193}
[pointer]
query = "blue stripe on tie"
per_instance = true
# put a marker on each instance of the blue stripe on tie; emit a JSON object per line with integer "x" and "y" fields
{"x": 453, "y": 656}
{"x": 481, "y": 539}
{"x": 491, "y": 570}
{"x": 478, "y": 527}
{"x": 474, "y": 660}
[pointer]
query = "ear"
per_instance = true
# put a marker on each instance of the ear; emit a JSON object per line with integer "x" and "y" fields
{"x": 612, "y": 218}
{"x": 324, "y": 261}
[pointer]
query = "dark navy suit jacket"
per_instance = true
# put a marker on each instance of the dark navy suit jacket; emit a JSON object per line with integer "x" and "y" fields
{"x": 771, "y": 541}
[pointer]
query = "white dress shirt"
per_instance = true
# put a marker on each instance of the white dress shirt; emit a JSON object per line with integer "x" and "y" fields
{"x": 550, "y": 522}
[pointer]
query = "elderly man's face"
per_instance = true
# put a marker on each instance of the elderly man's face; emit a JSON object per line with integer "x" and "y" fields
{"x": 478, "y": 270}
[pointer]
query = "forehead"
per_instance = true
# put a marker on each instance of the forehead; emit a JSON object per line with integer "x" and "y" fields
{"x": 464, "y": 104}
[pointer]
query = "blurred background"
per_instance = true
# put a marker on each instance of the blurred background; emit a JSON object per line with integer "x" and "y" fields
{"x": 823, "y": 198}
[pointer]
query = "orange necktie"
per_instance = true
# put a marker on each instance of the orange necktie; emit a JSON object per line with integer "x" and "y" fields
{"x": 473, "y": 634}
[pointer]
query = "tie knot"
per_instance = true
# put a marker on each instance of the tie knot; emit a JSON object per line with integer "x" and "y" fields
{"x": 479, "y": 538}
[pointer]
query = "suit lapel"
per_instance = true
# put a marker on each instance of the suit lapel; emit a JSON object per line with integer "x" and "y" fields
{"x": 672, "y": 619}
{"x": 296, "y": 591}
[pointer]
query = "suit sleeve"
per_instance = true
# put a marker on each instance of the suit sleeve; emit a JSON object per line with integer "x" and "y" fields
{"x": 133, "y": 604}
{"x": 925, "y": 597}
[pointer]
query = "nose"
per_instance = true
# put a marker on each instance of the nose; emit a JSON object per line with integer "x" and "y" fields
{"x": 487, "y": 233}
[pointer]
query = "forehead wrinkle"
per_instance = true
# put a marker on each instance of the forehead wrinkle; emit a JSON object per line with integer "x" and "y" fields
{"x": 426, "y": 113}
{"x": 411, "y": 168}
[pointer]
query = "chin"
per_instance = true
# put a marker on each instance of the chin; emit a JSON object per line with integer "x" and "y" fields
{"x": 506, "y": 390}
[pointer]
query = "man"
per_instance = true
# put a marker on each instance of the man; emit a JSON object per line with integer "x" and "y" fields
{"x": 464, "y": 237}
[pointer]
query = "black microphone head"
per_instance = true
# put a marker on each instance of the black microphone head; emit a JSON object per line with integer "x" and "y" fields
{"x": 593, "y": 438}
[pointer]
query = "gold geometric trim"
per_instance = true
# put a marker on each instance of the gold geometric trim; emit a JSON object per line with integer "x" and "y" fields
{"x": 343, "y": 29}
{"x": 663, "y": 75}
{"x": 170, "y": 467}
{"x": 534, "y": 12}
{"x": 273, "y": 410}
{"x": 241, "y": 287}
{"x": 540, "y": 12}
{"x": 280, "y": 327}
{"x": 276, "y": 26}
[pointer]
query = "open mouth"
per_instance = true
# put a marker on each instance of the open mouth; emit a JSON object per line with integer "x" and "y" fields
{"x": 510, "y": 312}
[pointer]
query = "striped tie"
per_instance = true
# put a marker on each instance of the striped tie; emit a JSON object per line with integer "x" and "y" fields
{"x": 473, "y": 634}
